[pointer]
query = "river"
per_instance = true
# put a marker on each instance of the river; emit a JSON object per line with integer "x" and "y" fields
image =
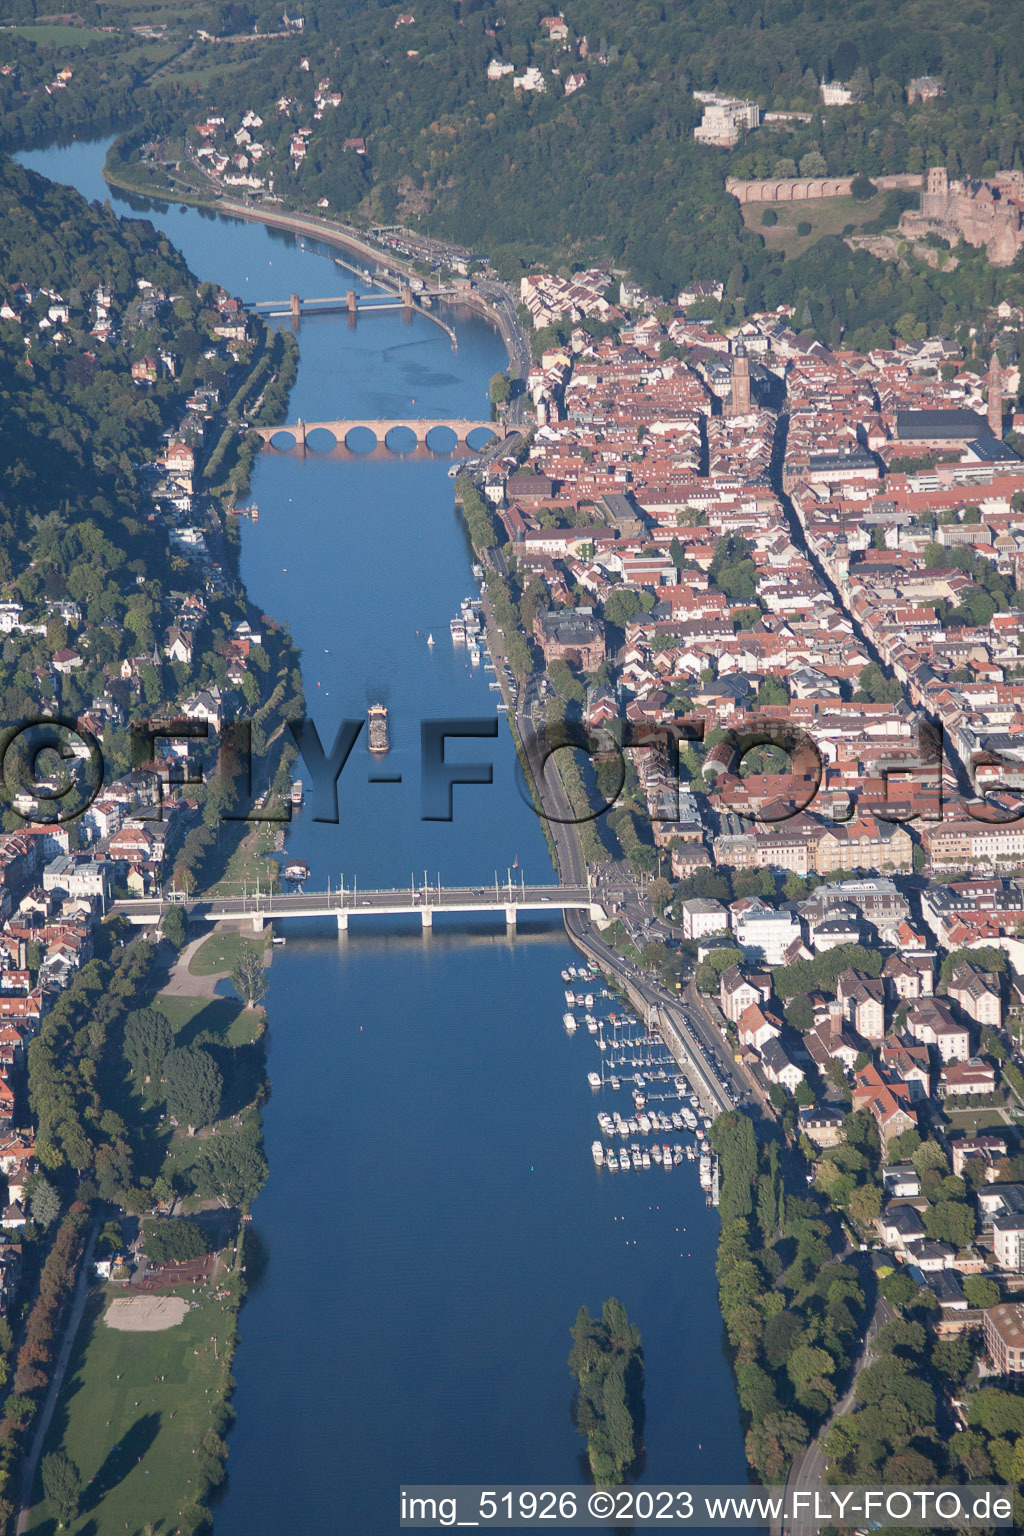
{"x": 433, "y": 1219}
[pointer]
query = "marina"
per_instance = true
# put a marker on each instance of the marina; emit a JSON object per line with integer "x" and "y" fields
{"x": 647, "y": 1096}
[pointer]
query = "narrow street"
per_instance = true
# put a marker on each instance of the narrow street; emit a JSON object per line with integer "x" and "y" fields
{"x": 808, "y": 1470}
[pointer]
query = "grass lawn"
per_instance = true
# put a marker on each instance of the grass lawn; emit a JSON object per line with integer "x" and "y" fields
{"x": 130, "y": 1434}
{"x": 222, "y": 1016}
{"x": 217, "y": 956}
{"x": 971, "y": 1121}
{"x": 249, "y": 865}
{"x": 826, "y": 216}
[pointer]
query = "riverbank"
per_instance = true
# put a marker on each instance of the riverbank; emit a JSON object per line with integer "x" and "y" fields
{"x": 340, "y": 236}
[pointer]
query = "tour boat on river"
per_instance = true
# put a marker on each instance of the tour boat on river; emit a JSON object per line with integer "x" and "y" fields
{"x": 378, "y": 717}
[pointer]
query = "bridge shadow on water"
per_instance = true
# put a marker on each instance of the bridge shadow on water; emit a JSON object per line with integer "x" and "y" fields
{"x": 451, "y": 930}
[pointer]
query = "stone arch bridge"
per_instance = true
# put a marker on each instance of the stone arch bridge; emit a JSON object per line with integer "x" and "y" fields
{"x": 420, "y": 427}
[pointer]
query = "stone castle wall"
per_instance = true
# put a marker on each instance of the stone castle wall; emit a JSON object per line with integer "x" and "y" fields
{"x": 794, "y": 189}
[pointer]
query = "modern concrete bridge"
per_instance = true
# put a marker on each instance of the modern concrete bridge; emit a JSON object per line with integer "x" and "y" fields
{"x": 421, "y": 427}
{"x": 346, "y": 903}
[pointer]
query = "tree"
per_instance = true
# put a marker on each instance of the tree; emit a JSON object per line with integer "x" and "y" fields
{"x": 862, "y": 188}
{"x": 929, "y": 1155}
{"x": 772, "y": 1444}
{"x": 799, "y": 1013}
{"x": 874, "y": 687}
{"x": 148, "y": 1038}
{"x": 44, "y": 1201}
{"x": 898, "y": 1288}
{"x": 953, "y": 1357}
{"x": 174, "y": 1241}
{"x": 194, "y": 1086}
{"x": 233, "y": 1166}
{"x": 624, "y": 604}
{"x": 865, "y": 1204}
{"x": 986, "y": 958}
{"x": 951, "y": 1221}
{"x": 501, "y": 389}
{"x": 173, "y": 927}
{"x": 711, "y": 967}
{"x": 980, "y": 1291}
{"x": 249, "y": 975}
{"x": 62, "y": 1486}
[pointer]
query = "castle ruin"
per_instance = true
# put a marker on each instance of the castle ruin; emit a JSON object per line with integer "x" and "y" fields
{"x": 983, "y": 213}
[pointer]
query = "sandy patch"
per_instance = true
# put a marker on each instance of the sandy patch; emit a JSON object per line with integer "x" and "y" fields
{"x": 145, "y": 1314}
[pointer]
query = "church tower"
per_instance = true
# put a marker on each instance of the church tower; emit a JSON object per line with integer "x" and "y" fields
{"x": 740, "y": 403}
{"x": 995, "y": 396}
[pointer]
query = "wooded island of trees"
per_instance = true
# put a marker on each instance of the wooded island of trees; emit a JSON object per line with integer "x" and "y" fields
{"x": 607, "y": 1362}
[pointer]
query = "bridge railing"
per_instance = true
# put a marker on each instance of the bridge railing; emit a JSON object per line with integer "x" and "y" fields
{"x": 265, "y": 902}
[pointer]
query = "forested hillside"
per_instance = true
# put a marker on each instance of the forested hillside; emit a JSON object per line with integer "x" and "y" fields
{"x": 73, "y": 421}
{"x": 611, "y": 172}
{"x": 84, "y": 549}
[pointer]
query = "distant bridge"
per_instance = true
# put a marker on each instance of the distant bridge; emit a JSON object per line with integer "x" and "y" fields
{"x": 342, "y": 905}
{"x": 420, "y": 427}
{"x": 403, "y": 301}
{"x": 296, "y": 305}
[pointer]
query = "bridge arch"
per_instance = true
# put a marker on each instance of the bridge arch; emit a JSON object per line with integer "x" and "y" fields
{"x": 359, "y": 439}
{"x": 321, "y": 440}
{"x": 400, "y": 438}
{"x": 441, "y": 439}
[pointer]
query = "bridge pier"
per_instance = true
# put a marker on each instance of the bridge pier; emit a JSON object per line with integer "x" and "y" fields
{"x": 427, "y": 917}
{"x": 295, "y": 305}
{"x": 343, "y": 922}
{"x": 257, "y": 923}
{"x": 511, "y": 917}
{"x": 352, "y": 301}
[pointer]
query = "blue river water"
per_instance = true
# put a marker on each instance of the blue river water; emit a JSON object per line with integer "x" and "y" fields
{"x": 433, "y": 1219}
